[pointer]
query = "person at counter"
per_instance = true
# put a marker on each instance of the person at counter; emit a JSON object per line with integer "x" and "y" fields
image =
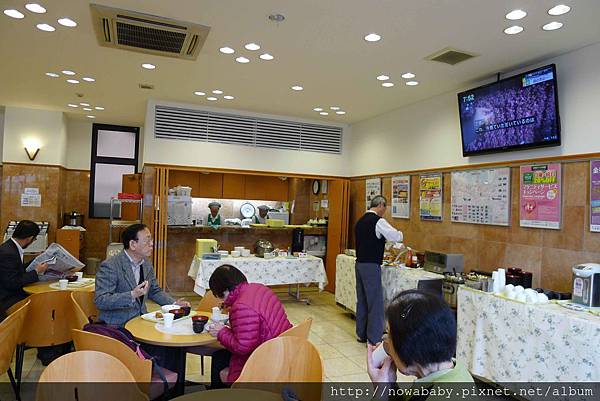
{"x": 371, "y": 233}
{"x": 214, "y": 217}
{"x": 262, "y": 214}
{"x": 124, "y": 280}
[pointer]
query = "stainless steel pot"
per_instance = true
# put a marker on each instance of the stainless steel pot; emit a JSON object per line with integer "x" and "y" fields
{"x": 261, "y": 247}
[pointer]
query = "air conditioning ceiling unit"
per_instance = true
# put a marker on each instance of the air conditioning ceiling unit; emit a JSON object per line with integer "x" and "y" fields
{"x": 144, "y": 33}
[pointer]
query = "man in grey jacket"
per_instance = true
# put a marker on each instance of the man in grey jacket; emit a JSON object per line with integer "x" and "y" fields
{"x": 125, "y": 280}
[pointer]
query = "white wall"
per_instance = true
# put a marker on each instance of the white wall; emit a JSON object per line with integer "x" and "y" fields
{"x": 79, "y": 144}
{"x": 202, "y": 154}
{"x": 427, "y": 134}
{"x": 47, "y": 128}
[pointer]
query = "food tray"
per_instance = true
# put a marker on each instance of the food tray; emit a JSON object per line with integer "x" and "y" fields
{"x": 150, "y": 316}
{"x": 86, "y": 282}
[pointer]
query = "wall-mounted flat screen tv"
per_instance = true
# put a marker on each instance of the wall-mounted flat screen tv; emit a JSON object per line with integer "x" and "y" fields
{"x": 514, "y": 113}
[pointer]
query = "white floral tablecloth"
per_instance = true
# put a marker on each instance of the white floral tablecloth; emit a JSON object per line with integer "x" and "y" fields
{"x": 394, "y": 280}
{"x": 276, "y": 271}
{"x": 508, "y": 341}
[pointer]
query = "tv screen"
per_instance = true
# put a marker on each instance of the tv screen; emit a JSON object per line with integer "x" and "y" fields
{"x": 515, "y": 113}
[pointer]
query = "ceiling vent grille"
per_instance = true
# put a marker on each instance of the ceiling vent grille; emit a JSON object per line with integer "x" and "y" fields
{"x": 450, "y": 56}
{"x": 207, "y": 126}
{"x": 145, "y": 33}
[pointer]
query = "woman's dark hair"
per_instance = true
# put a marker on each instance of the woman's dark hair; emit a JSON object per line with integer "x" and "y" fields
{"x": 422, "y": 328}
{"x": 225, "y": 277}
{"x": 26, "y": 229}
{"x": 131, "y": 234}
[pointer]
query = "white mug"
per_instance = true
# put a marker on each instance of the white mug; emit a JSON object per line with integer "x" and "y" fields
{"x": 63, "y": 284}
{"x": 379, "y": 356}
{"x": 168, "y": 320}
{"x": 79, "y": 276}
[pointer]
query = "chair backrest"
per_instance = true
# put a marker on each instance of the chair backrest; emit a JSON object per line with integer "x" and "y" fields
{"x": 286, "y": 361}
{"x": 10, "y": 331}
{"x": 208, "y": 302}
{"x": 141, "y": 369}
{"x": 300, "y": 330}
{"x": 85, "y": 300}
{"x": 75, "y": 369}
{"x": 50, "y": 319}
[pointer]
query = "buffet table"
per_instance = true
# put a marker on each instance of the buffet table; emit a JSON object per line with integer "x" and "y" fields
{"x": 394, "y": 280}
{"x": 507, "y": 341}
{"x": 276, "y": 271}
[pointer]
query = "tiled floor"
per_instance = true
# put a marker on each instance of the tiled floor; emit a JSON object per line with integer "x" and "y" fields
{"x": 332, "y": 333}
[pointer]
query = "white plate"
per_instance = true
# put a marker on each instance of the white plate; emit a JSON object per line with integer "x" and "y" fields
{"x": 150, "y": 316}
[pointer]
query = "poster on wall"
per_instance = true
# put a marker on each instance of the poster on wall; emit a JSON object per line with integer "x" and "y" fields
{"x": 540, "y": 200}
{"x": 481, "y": 196}
{"x": 401, "y": 196}
{"x": 430, "y": 197}
{"x": 372, "y": 188}
{"x": 595, "y": 196}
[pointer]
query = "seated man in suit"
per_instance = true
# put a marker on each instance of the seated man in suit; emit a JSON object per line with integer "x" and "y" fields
{"x": 124, "y": 280}
{"x": 12, "y": 269}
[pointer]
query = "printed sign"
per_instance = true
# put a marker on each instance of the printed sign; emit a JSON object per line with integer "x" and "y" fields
{"x": 372, "y": 189}
{"x": 430, "y": 197}
{"x": 595, "y": 196}
{"x": 541, "y": 196}
{"x": 401, "y": 196}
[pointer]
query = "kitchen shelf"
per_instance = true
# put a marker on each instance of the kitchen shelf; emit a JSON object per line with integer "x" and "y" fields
{"x": 113, "y": 223}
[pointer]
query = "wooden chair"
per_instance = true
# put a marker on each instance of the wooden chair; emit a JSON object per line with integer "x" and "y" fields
{"x": 300, "y": 330}
{"x": 10, "y": 331}
{"x": 141, "y": 369}
{"x": 75, "y": 369}
{"x": 206, "y": 304}
{"x": 284, "y": 361}
{"x": 85, "y": 300}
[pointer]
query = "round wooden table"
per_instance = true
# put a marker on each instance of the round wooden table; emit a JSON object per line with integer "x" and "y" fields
{"x": 174, "y": 347}
{"x": 230, "y": 394}
{"x": 44, "y": 286}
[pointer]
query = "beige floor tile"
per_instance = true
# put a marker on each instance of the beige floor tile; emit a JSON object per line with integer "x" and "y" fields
{"x": 354, "y": 378}
{"x": 315, "y": 338}
{"x": 360, "y": 360}
{"x": 352, "y": 348}
{"x": 327, "y": 351}
{"x": 341, "y": 367}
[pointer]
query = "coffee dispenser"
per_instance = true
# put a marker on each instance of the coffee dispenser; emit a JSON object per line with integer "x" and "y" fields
{"x": 297, "y": 240}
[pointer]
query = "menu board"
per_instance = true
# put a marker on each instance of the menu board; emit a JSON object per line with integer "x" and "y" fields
{"x": 430, "y": 197}
{"x": 541, "y": 196}
{"x": 595, "y": 196}
{"x": 481, "y": 196}
{"x": 401, "y": 196}
{"x": 372, "y": 188}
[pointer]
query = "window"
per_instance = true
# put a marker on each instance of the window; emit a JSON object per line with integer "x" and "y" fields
{"x": 115, "y": 152}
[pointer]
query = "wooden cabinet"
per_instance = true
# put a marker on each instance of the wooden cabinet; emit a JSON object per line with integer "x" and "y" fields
{"x": 131, "y": 184}
{"x": 210, "y": 185}
{"x": 71, "y": 240}
{"x": 234, "y": 186}
{"x": 266, "y": 188}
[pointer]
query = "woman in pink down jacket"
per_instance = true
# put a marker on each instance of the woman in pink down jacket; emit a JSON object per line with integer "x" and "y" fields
{"x": 255, "y": 315}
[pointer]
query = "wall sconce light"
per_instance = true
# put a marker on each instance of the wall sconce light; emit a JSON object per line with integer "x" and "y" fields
{"x": 32, "y": 148}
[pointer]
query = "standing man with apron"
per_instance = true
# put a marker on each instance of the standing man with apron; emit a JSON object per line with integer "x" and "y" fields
{"x": 214, "y": 217}
{"x": 262, "y": 215}
{"x": 371, "y": 233}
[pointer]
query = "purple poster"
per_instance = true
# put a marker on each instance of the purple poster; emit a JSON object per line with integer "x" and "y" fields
{"x": 595, "y": 195}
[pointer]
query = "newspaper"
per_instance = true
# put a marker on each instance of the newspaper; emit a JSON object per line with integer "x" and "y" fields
{"x": 59, "y": 260}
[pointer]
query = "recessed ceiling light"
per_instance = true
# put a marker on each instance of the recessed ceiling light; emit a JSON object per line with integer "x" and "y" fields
{"x": 72, "y": 105}
{"x": 85, "y": 104}
{"x": 242, "y": 60}
{"x": 334, "y": 108}
{"x": 252, "y": 46}
{"x": 91, "y": 116}
{"x": 513, "y": 30}
{"x": 72, "y": 81}
{"x": 552, "y": 26}
{"x": 226, "y": 50}
{"x": 35, "y": 8}
{"x": 324, "y": 113}
{"x": 14, "y": 13}
{"x": 383, "y": 78}
{"x": 341, "y": 112}
{"x": 412, "y": 83}
{"x": 559, "y": 10}
{"x": 228, "y": 97}
{"x": 68, "y": 22}
{"x": 99, "y": 108}
{"x": 217, "y": 92}
{"x": 88, "y": 79}
{"x": 87, "y": 109}
{"x": 52, "y": 74}
{"x": 148, "y": 66}
{"x": 45, "y": 27}
{"x": 68, "y": 72}
{"x": 318, "y": 109}
{"x": 372, "y": 37}
{"x": 211, "y": 98}
{"x": 199, "y": 93}
{"x": 297, "y": 88}
{"x": 387, "y": 84}
{"x": 408, "y": 75}
{"x": 515, "y": 15}
{"x": 266, "y": 57}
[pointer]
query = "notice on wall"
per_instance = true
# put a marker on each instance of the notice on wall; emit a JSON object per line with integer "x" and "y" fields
{"x": 430, "y": 197}
{"x": 481, "y": 196}
{"x": 541, "y": 196}
{"x": 595, "y": 196}
{"x": 401, "y": 196}
{"x": 31, "y": 200}
{"x": 324, "y": 203}
{"x": 372, "y": 189}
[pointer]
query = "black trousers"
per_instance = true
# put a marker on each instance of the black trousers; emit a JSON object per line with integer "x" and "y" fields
{"x": 218, "y": 361}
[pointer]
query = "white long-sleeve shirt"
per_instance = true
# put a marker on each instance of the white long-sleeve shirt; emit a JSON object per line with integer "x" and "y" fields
{"x": 385, "y": 229}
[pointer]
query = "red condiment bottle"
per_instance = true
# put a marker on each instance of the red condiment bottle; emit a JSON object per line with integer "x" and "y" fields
{"x": 409, "y": 258}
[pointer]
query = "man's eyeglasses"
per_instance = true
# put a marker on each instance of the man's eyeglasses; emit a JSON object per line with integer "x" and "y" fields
{"x": 145, "y": 241}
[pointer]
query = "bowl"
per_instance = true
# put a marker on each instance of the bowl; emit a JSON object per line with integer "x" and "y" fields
{"x": 223, "y": 253}
{"x": 239, "y": 248}
{"x": 71, "y": 279}
{"x": 178, "y": 313}
{"x": 200, "y": 318}
{"x": 167, "y": 308}
{"x": 246, "y": 253}
{"x": 198, "y": 323}
{"x": 236, "y": 254}
{"x": 186, "y": 310}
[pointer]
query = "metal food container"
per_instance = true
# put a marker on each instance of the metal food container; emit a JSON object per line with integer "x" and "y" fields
{"x": 261, "y": 247}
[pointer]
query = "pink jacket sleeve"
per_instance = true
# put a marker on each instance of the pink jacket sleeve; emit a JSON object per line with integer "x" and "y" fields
{"x": 244, "y": 335}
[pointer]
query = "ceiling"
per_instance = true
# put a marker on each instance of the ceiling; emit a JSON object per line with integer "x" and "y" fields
{"x": 319, "y": 46}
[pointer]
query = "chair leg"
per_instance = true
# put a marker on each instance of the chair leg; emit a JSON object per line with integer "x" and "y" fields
{"x": 14, "y": 384}
{"x": 202, "y": 364}
{"x": 19, "y": 366}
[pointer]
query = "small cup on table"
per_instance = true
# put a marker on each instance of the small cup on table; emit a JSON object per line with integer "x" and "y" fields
{"x": 63, "y": 283}
{"x": 168, "y": 320}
